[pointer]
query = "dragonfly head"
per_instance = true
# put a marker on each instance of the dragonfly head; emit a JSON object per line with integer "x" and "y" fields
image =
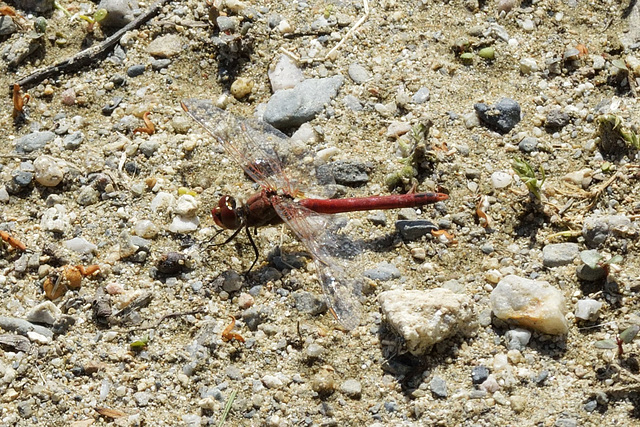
{"x": 226, "y": 214}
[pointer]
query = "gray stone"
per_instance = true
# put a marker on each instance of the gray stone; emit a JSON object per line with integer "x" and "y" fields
{"x": 358, "y": 73}
{"x": 307, "y": 302}
{"x": 352, "y": 388}
{"x": 107, "y": 110}
{"x": 352, "y": 103}
{"x": 159, "y": 64}
{"x": 293, "y": 107}
{"x": 149, "y": 147}
{"x": 501, "y": 117}
{"x": 315, "y": 350}
{"x": 346, "y": 172}
{"x": 119, "y": 12}
{"x": 23, "y": 327}
{"x": 383, "y": 272}
{"x": 22, "y": 48}
{"x": 22, "y": 178}
{"x": 254, "y": 316}
{"x": 229, "y": 280}
{"x": 136, "y": 70}
{"x": 7, "y": 26}
{"x": 142, "y": 398}
{"x": 438, "y": 386}
{"x": 87, "y": 196}
{"x": 596, "y": 229}
{"x": 73, "y": 140}
{"x": 25, "y": 408}
{"x": 556, "y": 120}
{"x": 46, "y": 313}
{"x": 414, "y": 229}
{"x": 34, "y": 141}
{"x": 558, "y": 254}
{"x": 588, "y": 309}
{"x": 517, "y": 339}
{"x": 528, "y": 144}
{"x": 479, "y": 374}
{"x": 421, "y": 96}
{"x": 226, "y": 23}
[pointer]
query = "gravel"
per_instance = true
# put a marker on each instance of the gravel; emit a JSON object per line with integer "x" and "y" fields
{"x": 561, "y": 84}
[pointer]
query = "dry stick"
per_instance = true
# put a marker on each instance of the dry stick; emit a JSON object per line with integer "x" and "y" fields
{"x": 88, "y": 55}
{"x": 165, "y": 317}
{"x": 365, "y": 4}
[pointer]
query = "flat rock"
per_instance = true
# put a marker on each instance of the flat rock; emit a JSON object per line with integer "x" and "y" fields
{"x": 531, "y": 304}
{"x": 559, "y": 254}
{"x": 293, "y": 107}
{"x": 34, "y": 141}
{"x": 119, "y": 12}
{"x": 424, "y": 318}
{"x": 46, "y": 312}
{"x": 165, "y": 46}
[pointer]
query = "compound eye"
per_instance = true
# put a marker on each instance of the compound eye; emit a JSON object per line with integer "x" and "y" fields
{"x": 226, "y": 215}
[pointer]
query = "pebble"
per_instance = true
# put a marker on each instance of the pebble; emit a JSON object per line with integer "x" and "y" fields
{"x": 352, "y": 103}
{"x": 271, "y": 381}
{"x": 323, "y": 382}
{"x": 22, "y": 178}
{"x": 142, "y": 398}
{"x": 292, "y": 107}
{"x": 479, "y": 374}
{"x": 163, "y": 202}
{"x": 145, "y": 229}
{"x": 45, "y": 312}
{"x": 596, "y": 229}
{"x": 585, "y": 272}
{"x": 490, "y": 385}
{"x": 48, "y": 171}
{"x": 166, "y": 46}
{"x": 351, "y": 388}
{"x": 414, "y": 229}
{"x": 285, "y": 74}
{"x": 119, "y": 12}
{"x": 55, "y": 219}
{"x": 87, "y": 196}
{"x": 136, "y": 70}
{"x": 383, "y": 272}
{"x": 397, "y": 128}
{"x": 349, "y": 173}
{"x": 532, "y": 304}
{"x": 438, "y": 386}
{"x": 528, "y": 144}
{"x": 241, "y": 87}
{"x": 588, "y": 309}
{"x": 34, "y": 141}
{"x": 500, "y": 179}
{"x": 229, "y": 280}
{"x": 226, "y": 24}
{"x": 556, "y": 120}
{"x": 558, "y": 254}
{"x": 23, "y": 327}
{"x": 245, "y": 300}
{"x": 183, "y": 224}
{"x": 159, "y": 64}
{"x": 528, "y": 66}
{"x": 73, "y": 140}
{"x": 358, "y": 73}
{"x": 517, "y": 339}
{"x": 68, "y": 96}
{"x": 315, "y": 350}
{"x": 7, "y": 26}
{"x": 187, "y": 205}
{"x": 424, "y": 318}
{"x": 306, "y": 302}
{"x": 421, "y": 96}
{"x": 108, "y": 109}
{"x": 254, "y": 316}
{"x": 501, "y": 117}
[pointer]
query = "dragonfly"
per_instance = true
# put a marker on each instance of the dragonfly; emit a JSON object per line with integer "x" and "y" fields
{"x": 284, "y": 197}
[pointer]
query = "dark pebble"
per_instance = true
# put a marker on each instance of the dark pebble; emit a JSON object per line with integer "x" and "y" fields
{"x": 556, "y": 120}
{"x": 73, "y": 140}
{"x": 479, "y": 374}
{"x": 414, "y": 229}
{"x": 22, "y": 178}
{"x": 34, "y": 141}
{"x": 107, "y": 110}
{"x": 584, "y": 272}
{"x": 501, "y": 117}
{"x": 171, "y": 263}
{"x": 131, "y": 168}
{"x": 254, "y": 316}
{"x": 159, "y": 64}
{"x": 344, "y": 173}
{"x": 307, "y": 302}
{"x": 391, "y": 406}
{"x": 118, "y": 79}
{"x": 590, "y": 406}
{"x": 135, "y": 70}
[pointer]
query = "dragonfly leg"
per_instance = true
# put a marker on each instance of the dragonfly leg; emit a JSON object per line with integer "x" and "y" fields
{"x": 255, "y": 250}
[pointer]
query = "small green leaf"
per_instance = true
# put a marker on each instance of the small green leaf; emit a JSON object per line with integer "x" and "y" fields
{"x": 100, "y": 15}
{"x": 629, "y": 334}
{"x": 606, "y": 344}
{"x": 140, "y": 344}
{"x": 591, "y": 258}
{"x": 615, "y": 260}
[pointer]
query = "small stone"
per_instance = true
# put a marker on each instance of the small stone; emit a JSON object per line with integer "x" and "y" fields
{"x": 307, "y": 302}
{"x": 517, "y": 339}
{"x": 87, "y": 196}
{"x": 532, "y": 304}
{"x": 108, "y": 109}
{"x": 588, "y": 309}
{"x": 424, "y": 318}
{"x": 187, "y": 205}
{"x": 585, "y": 272}
{"x": 182, "y": 224}
{"x": 479, "y": 374}
{"x": 68, "y": 96}
{"x": 34, "y": 141}
{"x": 500, "y": 179}
{"x": 145, "y": 229}
{"x": 528, "y": 144}
{"x": 351, "y": 388}
{"x": 163, "y": 202}
{"x": 166, "y": 46}
{"x": 596, "y": 229}
{"x": 558, "y": 254}
{"x": 421, "y": 96}
{"x": 490, "y": 385}
{"x": 55, "y": 219}
{"x": 528, "y": 65}
{"x": 271, "y": 381}
{"x": 315, "y": 350}
{"x": 383, "y": 272}
{"x": 438, "y": 387}
{"x": 229, "y": 280}
{"x": 159, "y": 64}
{"x": 46, "y": 312}
{"x": 358, "y": 73}
{"x": 136, "y": 70}
{"x": 556, "y": 120}
{"x": 518, "y": 403}
{"x": 241, "y": 87}
{"x": 142, "y": 398}
{"x": 348, "y": 173}
{"x": 323, "y": 382}
{"x": 226, "y": 24}
{"x": 149, "y": 147}
{"x": 501, "y": 117}
{"x": 48, "y": 171}
{"x": 285, "y": 74}
{"x": 414, "y": 229}
{"x": 7, "y": 26}
{"x": 73, "y": 140}
{"x": 398, "y": 128}
{"x": 22, "y": 178}
{"x": 119, "y": 12}
{"x": 245, "y": 300}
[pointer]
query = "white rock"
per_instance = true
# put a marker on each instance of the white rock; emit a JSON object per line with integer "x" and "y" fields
{"x": 4, "y": 194}
{"x": 500, "y": 179}
{"x": 398, "y": 128}
{"x": 285, "y": 74}
{"x": 588, "y": 309}
{"x": 163, "y": 201}
{"x": 271, "y": 381}
{"x": 182, "y": 224}
{"x": 55, "y": 219}
{"x": 528, "y": 65}
{"x": 424, "y": 318}
{"x": 145, "y": 229}
{"x": 80, "y": 245}
{"x": 46, "y": 312}
{"x": 530, "y": 303}
{"x": 187, "y": 205}
{"x": 38, "y": 338}
{"x": 48, "y": 171}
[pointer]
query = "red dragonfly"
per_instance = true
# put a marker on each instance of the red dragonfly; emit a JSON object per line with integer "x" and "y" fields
{"x": 251, "y": 144}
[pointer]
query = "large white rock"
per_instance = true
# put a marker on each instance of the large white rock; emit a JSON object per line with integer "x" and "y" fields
{"x": 532, "y": 304}
{"x": 424, "y": 318}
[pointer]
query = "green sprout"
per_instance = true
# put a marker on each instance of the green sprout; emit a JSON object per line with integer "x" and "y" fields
{"x": 62, "y": 8}
{"x": 528, "y": 176}
{"x": 140, "y": 344}
{"x": 625, "y": 337}
{"x": 98, "y": 16}
{"x": 417, "y": 153}
{"x": 611, "y": 130}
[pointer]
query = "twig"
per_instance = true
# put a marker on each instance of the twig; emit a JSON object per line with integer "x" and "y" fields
{"x": 165, "y": 317}
{"x": 88, "y": 55}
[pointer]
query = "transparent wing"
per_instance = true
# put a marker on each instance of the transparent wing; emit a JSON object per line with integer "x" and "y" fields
{"x": 259, "y": 148}
{"x": 320, "y": 233}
